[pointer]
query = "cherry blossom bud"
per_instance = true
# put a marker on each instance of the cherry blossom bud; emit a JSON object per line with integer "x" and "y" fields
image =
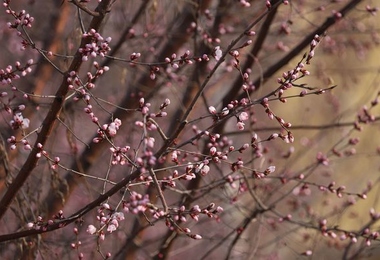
{"x": 251, "y": 33}
{"x": 106, "y": 206}
{"x": 150, "y": 142}
{"x": 198, "y": 237}
{"x": 273, "y": 136}
{"x": 205, "y": 169}
{"x": 30, "y": 225}
{"x": 212, "y": 110}
{"x": 225, "y": 111}
{"x": 307, "y": 253}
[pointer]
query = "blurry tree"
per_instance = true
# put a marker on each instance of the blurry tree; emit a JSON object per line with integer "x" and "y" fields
{"x": 199, "y": 129}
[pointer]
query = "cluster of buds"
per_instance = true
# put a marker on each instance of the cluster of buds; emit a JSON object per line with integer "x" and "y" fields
{"x": 370, "y": 236}
{"x": 237, "y": 165}
{"x": 189, "y": 172}
{"x": 12, "y": 141}
{"x": 134, "y": 56}
{"x": 9, "y": 74}
{"x": 99, "y": 71}
{"x": 292, "y": 75}
{"x": 112, "y": 221}
{"x": 76, "y": 84}
{"x": 163, "y": 107}
{"x": 289, "y": 138}
{"x": 313, "y": 45}
{"x": 365, "y": 117}
{"x": 143, "y": 107}
{"x": 259, "y": 175}
{"x": 153, "y": 71}
{"x": 97, "y": 45}
{"x": 322, "y": 159}
{"x": 366, "y": 233}
{"x": 109, "y": 130}
{"x": 241, "y": 118}
{"x": 107, "y": 217}
{"x": 149, "y": 123}
{"x": 22, "y": 18}
{"x": 268, "y": 111}
{"x": 174, "y": 156}
{"x": 37, "y": 225}
{"x": 217, "y": 156}
{"x": 192, "y": 169}
{"x": 339, "y": 191}
{"x": 216, "y": 116}
{"x": 183, "y": 59}
{"x": 213, "y": 137}
{"x": 202, "y": 168}
{"x": 55, "y": 163}
{"x": 372, "y": 10}
{"x": 148, "y": 158}
{"x": 194, "y": 212}
{"x": 119, "y": 155}
{"x": 136, "y": 203}
{"x": 40, "y": 224}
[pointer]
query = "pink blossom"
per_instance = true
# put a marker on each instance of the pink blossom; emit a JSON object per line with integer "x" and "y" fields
{"x": 218, "y": 53}
{"x": 91, "y": 229}
{"x": 240, "y": 125}
{"x": 111, "y": 228}
{"x": 243, "y": 116}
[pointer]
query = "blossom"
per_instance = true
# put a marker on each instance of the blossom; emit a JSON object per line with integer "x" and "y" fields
{"x": 271, "y": 169}
{"x": 111, "y": 228}
{"x": 19, "y": 121}
{"x": 149, "y": 141}
{"x": 218, "y": 53}
{"x": 113, "y": 127}
{"x": 240, "y": 125}
{"x": 91, "y": 229}
{"x": 118, "y": 215}
{"x": 205, "y": 169}
{"x": 243, "y": 116}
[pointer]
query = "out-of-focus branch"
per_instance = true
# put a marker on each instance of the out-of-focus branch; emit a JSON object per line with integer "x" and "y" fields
{"x": 122, "y": 39}
{"x": 293, "y": 53}
{"x": 302, "y": 45}
{"x": 84, "y": 8}
{"x": 301, "y": 127}
{"x": 261, "y": 36}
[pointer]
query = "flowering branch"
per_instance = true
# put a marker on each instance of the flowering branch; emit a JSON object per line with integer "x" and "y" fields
{"x": 50, "y": 118}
